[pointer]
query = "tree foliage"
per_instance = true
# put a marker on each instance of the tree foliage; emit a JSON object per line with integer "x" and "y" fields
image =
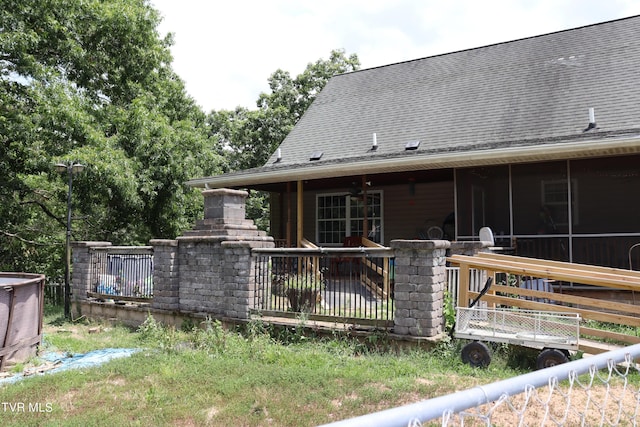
{"x": 91, "y": 81}
{"x": 251, "y": 136}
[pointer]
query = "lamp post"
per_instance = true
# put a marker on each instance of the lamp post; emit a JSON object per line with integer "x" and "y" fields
{"x": 70, "y": 168}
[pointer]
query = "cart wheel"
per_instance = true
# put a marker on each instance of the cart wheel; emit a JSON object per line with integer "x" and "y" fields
{"x": 476, "y": 354}
{"x": 551, "y": 357}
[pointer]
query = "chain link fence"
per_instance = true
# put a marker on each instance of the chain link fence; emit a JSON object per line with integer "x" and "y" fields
{"x": 600, "y": 390}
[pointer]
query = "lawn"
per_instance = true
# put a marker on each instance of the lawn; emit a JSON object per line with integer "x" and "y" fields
{"x": 251, "y": 377}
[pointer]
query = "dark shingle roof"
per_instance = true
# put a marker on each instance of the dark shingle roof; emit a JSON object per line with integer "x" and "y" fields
{"x": 534, "y": 89}
{"x": 517, "y": 94}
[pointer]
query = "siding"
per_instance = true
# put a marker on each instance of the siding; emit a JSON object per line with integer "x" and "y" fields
{"x": 405, "y": 215}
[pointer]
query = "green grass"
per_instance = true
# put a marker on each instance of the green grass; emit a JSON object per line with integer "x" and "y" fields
{"x": 253, "y": 377}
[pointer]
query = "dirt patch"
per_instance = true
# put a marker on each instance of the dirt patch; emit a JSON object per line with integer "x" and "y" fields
{"x": 73, "y": 331}
{"x": 615, "y": 403}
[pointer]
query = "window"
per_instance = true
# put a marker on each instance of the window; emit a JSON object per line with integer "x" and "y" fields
{"x": 555, "y": 201}
{"x": 340, "y": 215}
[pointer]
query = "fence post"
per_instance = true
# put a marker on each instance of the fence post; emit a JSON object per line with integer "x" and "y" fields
{"x": 215, "y": 262}
{"x": 166, "y": 283}
{"x": 420, "y": 280}
{"x": 81, "y": 271}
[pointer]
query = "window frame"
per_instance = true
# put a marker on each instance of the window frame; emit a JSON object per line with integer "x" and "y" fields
{"x": 348, "y": 218}
{"x": 566, "y": 205}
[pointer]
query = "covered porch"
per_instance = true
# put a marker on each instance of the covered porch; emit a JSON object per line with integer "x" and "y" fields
{"x": 568, "y": 210}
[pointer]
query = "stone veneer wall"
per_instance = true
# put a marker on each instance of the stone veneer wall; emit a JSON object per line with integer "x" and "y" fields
{"x": 209, "y": 271}
{"x": 81, "y": 262}
{"x": 214, "y": 259}
{"x": 166, "y": 277}
{"x": 420, "y": 281}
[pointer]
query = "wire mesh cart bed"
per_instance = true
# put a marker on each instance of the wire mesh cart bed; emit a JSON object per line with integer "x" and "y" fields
{"x": 554, "y": 333}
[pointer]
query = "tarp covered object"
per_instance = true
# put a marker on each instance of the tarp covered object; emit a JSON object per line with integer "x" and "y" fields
{"x": 57, "y": 362}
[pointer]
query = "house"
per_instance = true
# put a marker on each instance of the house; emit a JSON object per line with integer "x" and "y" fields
{"x": 537, "y": 138}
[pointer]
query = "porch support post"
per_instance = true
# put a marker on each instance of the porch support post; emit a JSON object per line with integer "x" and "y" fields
{"x": 365, "y": 201}
{"x": 288, "y": 231}
{"x": 300, "y": 216}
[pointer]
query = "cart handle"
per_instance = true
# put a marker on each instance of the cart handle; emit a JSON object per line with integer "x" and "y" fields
{"x": 484, "y": 290}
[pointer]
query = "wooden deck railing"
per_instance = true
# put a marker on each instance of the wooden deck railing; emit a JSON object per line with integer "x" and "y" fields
{"x": 510, "y": 295}
{"x": 377, "y": 272}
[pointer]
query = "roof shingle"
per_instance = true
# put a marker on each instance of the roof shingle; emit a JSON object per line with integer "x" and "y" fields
{"x": 534, "y": 89}
{"x": 490, "y": 104}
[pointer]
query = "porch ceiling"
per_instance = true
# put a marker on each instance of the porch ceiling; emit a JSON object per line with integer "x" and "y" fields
{"x": 273, "y": 177}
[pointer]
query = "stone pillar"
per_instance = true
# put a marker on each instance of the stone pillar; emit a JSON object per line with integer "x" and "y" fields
{"x": 216, "y": 266}
{"x": 239, "y": 277}
{"x": 420, "y": 281}
{"x": 166, "y": 283}
{"x": 82, "y": 263}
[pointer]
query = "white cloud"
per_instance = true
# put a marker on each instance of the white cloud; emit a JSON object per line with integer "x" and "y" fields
{"x": 225, "y": 51}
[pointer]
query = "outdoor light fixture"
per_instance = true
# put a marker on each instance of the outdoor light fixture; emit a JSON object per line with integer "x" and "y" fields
{"x": 374, "y": 143}
{"x": 70, "y": 168}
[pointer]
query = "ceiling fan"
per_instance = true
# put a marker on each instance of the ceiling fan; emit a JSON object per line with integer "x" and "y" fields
{"x": 355, "y": 191}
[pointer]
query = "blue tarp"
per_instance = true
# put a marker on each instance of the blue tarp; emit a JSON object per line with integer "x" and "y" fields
{"x": 64, "y": 361}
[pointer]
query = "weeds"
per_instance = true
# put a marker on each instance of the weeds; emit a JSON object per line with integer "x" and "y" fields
{"x": 212, "y": 338}
{"x": 257, "y": 374}
{"x": 449, "y": 311}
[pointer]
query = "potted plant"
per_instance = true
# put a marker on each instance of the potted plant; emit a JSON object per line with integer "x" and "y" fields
{"x": 304, "y": 291}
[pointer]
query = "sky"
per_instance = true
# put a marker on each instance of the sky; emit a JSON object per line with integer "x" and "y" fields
{"x": 225, "y": 51}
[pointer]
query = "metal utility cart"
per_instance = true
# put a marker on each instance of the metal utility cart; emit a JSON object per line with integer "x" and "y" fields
{"x": 554, "y": 333}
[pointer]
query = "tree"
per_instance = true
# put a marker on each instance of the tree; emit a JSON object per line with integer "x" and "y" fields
{"x": 296, "y": 95}
{"x": 251, "y": 136}
{"x": 91, "y": 81}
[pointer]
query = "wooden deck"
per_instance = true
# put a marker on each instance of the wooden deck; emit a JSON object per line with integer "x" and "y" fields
{"x": 592, "y": 341}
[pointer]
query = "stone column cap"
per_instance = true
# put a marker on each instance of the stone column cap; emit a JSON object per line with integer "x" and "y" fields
{"x": 90, "y": 244}
{"x": 420, "y": 244}
{"x": 229, "y": 191}
{"x": 163, "y": 242}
